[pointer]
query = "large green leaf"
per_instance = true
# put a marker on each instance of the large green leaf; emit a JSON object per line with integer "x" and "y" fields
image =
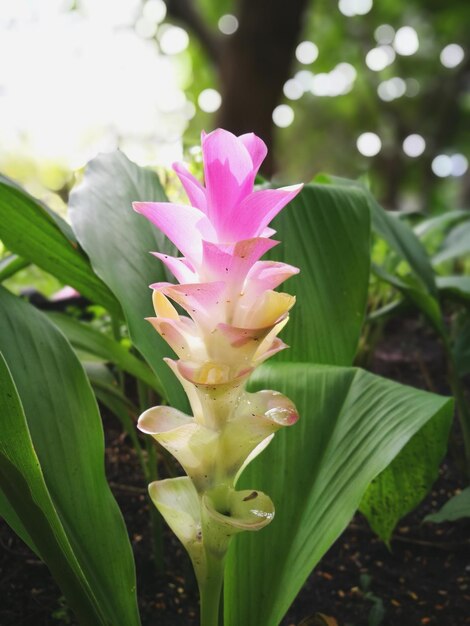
{"x": 66, "y": 432}
{"x": 29, "y": 230}
{"x": 325, "y": 232}
{"x": 26, "y": 504}
{"x": 84, "y": 337}
{"x": 118, "y": 242}
{"x": 409, "y": 477}
{"x": 352, "y": 425}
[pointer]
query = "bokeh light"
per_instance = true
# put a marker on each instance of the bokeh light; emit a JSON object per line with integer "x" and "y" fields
{"x": 174, "y": 40}
{"x": 305, "y": 78}
{"x": 379, "y": 58}
{"x": 406, "y": 41}
{"x": 293, "y": 89}
{"x": 209, "y": 100}
{"x": 228, "y": 24}
{"x": 154, "y": 11}
{"x": 391, "y": 89}
{"x": 283, "y": 115}
{"x": 369, "y": 144}
{"x": 445, "y": 165}
{"x": 452, "y": 55}
{"x": 350, "y": 8}
{"x": 80, "y": 112}
{"x": 442, "y": 166}
{"x": 335, "y": 83}
{"x": 459, "y": 164}
{"x": 414, "y": 145}
{"x": 384, "y": 34}
{"x": 306, "y": 52}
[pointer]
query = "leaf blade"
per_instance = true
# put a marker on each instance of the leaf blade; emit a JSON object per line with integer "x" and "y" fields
{"x": 67, "y": 434}
{"x": 325, "y": 231}
{"x": 360, "y": 423}
{"x": 118, "y": 242}
{"x": 27, "y": 507}
{"x": 29, "y": 230}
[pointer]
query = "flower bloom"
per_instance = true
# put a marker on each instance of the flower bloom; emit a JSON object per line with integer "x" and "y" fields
{"x": 232, "y": 322}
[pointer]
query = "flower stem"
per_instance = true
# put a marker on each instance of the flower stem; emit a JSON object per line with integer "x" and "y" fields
{"x": 210, "y": 590}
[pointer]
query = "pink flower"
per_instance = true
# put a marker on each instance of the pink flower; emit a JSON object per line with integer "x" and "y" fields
{"x": 226, "y": 290}
{"x": 232, "y": 322}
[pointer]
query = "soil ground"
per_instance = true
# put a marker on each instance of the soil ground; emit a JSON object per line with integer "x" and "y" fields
{"x": 423, "y": 580}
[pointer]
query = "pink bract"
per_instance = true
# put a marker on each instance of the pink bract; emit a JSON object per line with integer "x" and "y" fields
{"x": 222, "y": 234}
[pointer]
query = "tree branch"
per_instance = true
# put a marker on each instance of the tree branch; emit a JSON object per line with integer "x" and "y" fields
{"x": 186, "y": 12}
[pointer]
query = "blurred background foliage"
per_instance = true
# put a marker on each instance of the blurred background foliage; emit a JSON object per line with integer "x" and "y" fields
{"x": 354, "y": 88}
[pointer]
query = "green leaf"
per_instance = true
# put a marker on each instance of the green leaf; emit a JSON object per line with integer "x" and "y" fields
{"x": 61, "y": 223}
{"x": 399, "y": 236}
{"x": 118, "y": 242}
{"x": 30, "y": 231}
{"x": 456, "y": 508}
{"x": 455, "y": 286}
{"x": 325, "y": 232}
{"x": 86, "y": 338}
{"x": 406, "y": 481}
{"x": 423, "y": 300}
{"x": 66, "y": 432}
{"x": 26, "y": 504}
{"x": 439, "y": 222}
{"x": 10, "y": 265}
{"x": 352, "y": 425}
{"x": 456, "y": 244}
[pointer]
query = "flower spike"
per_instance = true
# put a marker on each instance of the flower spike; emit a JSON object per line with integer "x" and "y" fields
{"x": 231, "y": 322}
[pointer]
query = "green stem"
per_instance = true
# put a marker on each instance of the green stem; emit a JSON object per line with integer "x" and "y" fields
{"x": 210, "y": 590}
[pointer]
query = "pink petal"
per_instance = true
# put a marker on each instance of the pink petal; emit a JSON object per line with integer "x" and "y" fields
{"x": 179, "y": 267}
{"x": 182, "y": 337}
{"x": 265, "y": 275}
{"x": 204, "y": 302}
{"x": 276, "y": 346}
{"x": 228, "y": 173}
{"x": 256, "y": 148}
{"x": 239, "y": 337}
{"x": 183, "y": 225}
{"x": 194, "y": 190}
{"x": 256, "y": 211}
{"x": 232, "y": 262}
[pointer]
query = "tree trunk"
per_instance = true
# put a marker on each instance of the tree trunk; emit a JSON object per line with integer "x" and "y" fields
{"x": 254, "y": 65}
